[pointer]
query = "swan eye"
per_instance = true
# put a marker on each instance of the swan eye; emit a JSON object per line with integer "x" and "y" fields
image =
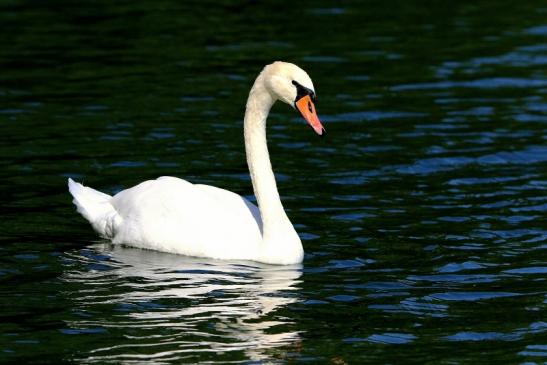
{"x": 302, "y": 91}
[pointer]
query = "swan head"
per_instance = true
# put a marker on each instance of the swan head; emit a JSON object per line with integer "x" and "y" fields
{"x": 292, "y": 85}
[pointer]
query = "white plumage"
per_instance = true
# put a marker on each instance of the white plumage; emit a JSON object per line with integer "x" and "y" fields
{"x": 172, "y": 215}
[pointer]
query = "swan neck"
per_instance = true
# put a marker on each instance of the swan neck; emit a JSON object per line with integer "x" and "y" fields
{"x": 259, "y": 104}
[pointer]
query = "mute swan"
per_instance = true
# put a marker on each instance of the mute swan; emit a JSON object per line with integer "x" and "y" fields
{"x": 172, "y": 215}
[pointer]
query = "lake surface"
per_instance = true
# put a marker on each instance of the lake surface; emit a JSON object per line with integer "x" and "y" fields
{"x": 422, "y": 212}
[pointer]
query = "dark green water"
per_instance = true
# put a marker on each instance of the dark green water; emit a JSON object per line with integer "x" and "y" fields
{"x": 423, "y": 212}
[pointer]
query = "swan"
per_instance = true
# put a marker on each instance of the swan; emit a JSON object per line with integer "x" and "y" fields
{"x": 173, "y": 215}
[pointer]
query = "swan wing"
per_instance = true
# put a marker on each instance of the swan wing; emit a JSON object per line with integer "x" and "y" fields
{"x": 172, "y": 215}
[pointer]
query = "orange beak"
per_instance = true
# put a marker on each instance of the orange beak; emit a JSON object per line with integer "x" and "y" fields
{"x": 307, "y": 109}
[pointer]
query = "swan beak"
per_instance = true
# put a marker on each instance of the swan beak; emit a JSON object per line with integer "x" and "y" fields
{"x": 307, "y": 109}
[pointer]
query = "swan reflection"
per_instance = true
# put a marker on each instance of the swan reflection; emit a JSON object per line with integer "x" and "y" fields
{"x": 175, "y": 305}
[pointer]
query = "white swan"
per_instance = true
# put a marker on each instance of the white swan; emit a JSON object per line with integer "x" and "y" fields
{"x": 172, "y": 215}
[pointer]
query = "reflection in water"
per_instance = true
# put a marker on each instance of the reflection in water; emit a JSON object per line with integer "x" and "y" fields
{"x": 186, "y": 305}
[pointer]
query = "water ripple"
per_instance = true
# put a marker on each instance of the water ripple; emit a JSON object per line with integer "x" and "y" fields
{"x": 178, "y": 293}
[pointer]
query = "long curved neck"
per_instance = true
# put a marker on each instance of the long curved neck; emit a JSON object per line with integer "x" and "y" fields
{"x": 259, "y": 104}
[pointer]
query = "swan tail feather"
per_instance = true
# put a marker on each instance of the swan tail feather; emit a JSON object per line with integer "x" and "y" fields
{"x": 96, "y": 207}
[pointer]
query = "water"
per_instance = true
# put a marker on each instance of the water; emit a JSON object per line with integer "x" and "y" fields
{"x": 422, "y": 213}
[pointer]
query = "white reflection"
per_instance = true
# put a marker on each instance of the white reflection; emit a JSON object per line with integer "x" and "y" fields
{"x": 221, "y": 305}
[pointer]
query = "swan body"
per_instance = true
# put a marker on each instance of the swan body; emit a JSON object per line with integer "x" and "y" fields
{"x": 173, "y": 215}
